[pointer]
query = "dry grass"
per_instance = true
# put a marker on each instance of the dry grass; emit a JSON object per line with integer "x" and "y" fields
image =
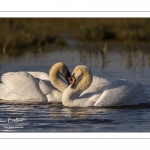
{"x": 26, "y": 32}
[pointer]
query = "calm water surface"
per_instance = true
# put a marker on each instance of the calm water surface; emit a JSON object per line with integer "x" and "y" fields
{"x": 117, "y": 63}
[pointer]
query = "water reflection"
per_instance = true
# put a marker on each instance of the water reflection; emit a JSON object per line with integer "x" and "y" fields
{"x": 135, "y": 60}
{"x": 149, "y": 61}
{"x": 105, "y": 59}
{"x": 94, "y": 55}
{"x": 99, "y": 57}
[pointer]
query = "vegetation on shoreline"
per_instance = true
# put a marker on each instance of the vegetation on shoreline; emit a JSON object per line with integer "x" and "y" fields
{"x": 16, "y": 33}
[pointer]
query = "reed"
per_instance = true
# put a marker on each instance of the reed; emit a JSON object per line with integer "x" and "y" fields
{"x": 27, "y": 32}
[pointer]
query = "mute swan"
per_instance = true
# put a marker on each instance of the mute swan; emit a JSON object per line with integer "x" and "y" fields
{"x": 22, "y": 86}
{"x": 96, "y": 85}
{"x": 116, "y": 93}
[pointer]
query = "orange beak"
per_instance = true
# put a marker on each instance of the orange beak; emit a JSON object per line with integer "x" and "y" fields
{"x": 73, "y": 79}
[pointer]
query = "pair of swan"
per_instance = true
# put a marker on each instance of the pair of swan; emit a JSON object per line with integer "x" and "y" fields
{"x": 85, "y": 90}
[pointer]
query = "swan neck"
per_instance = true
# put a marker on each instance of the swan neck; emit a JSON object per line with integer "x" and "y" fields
{"x": 84, "y": 83}
{"x": 56, "y": 80}
{"x": 69, "y": 97}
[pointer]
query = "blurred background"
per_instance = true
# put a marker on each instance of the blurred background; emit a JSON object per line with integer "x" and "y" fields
{"x": 100, "y": 43}
{"x": 21, "y": 33}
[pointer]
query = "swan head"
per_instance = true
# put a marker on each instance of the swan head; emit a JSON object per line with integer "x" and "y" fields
{"x": 81, "y": 78}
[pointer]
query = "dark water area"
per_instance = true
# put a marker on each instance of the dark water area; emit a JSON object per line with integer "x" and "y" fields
{"x": 109, "y": 61}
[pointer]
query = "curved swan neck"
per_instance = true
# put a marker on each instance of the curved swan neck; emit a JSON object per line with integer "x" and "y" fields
{"x": 69, "y": 99}
{"x": 83, "y": 83}
{"x": 54, "y": 75}
{"x": 70, "y": 93}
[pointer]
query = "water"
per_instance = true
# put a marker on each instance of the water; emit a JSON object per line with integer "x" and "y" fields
{"x": 117, "y": 63}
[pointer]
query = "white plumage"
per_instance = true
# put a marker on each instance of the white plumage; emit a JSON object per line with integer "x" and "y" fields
{"x": 21, "y": 86}
{"x": 117, "y": 93}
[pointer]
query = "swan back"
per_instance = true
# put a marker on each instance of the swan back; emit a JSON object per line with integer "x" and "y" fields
{"x": 97, "y": 84}
{"x": 39, "y": 75}
{"x": 122, "y": 92}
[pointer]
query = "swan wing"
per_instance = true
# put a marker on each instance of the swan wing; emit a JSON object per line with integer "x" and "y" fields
{"x": 97, "y": 84}
{"x": 20, "y": 86}
{"x": 39, "y": 74}
{"x": 45, "y": 88}
{"x": 52, "y": 94}
{"x": 122, "y": 92}
{"x": 42, "y": 76}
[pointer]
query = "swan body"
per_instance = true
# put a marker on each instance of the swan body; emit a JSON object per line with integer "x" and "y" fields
{"x": 32, "y": 87}
{"x": 117, "y": 93}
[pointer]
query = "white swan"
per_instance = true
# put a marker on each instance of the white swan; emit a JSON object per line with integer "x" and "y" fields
{"x": 116, "y": 93}
{"x": 30, "y": 86}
